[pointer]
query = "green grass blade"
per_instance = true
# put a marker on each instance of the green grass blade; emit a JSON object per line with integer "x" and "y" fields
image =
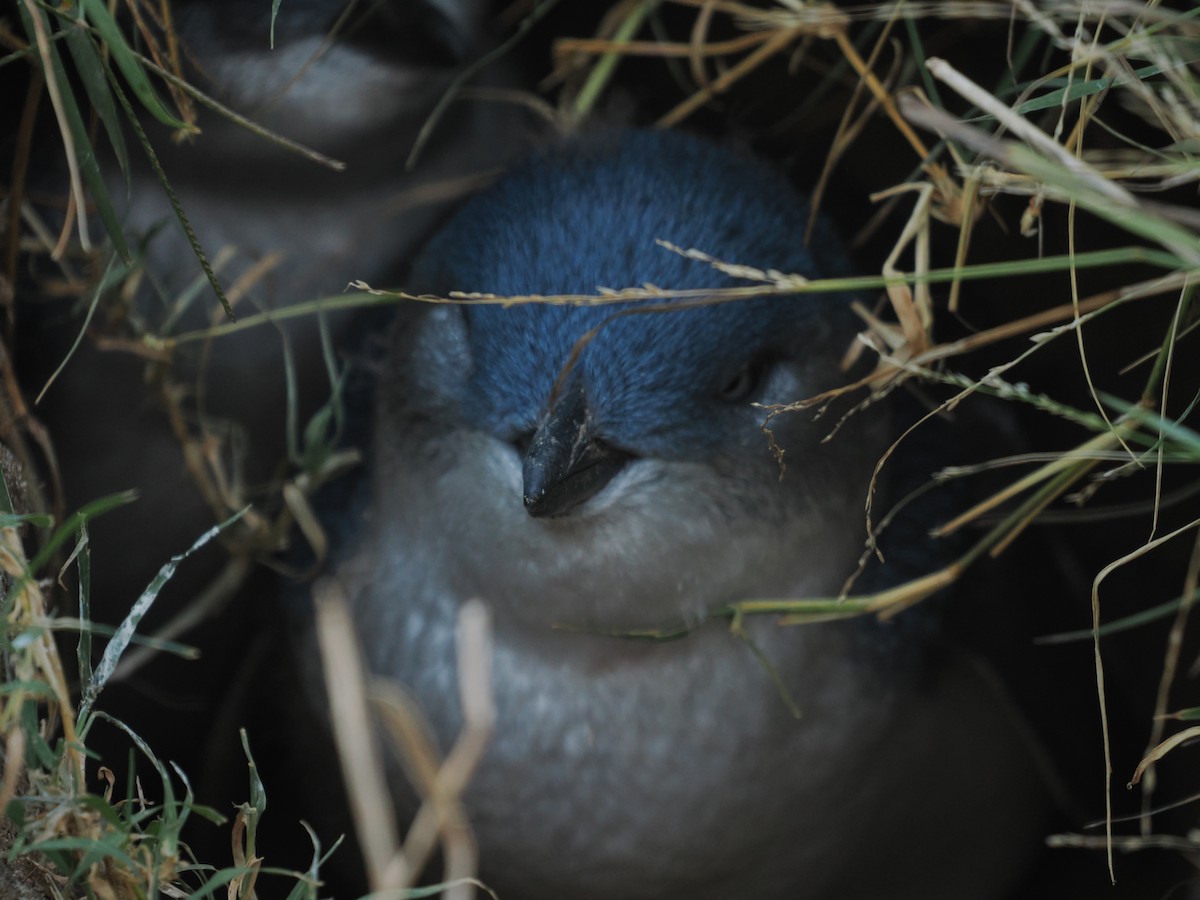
{"x": 1184, "y": 437}
{"x": 83, "y": 566}
{"x": 173, "y": 199}
{"x": 1135, "y": 218}
{"x": 93, "y": 75}
{"x": 106, "y": 26}
{"x": 89, "y": 168}
{"x": 125, "y": 631}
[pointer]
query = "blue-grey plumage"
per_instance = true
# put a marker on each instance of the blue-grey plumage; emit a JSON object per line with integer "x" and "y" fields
{"x": 638, "y": 489}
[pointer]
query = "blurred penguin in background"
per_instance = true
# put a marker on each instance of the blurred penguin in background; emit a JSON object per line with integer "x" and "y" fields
{"x": 355, "y": 82}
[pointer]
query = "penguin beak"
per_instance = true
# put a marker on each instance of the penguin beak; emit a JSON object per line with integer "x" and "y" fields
{"x": 566, "y": 464}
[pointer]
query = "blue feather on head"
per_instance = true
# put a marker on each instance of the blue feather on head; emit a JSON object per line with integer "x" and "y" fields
{"x": 580, "y": 217}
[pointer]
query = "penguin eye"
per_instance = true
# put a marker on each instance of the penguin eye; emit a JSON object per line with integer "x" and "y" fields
{"x": 743, "y": 383}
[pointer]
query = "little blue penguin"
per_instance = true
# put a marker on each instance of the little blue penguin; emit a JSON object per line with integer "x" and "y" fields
{"x": 606, "y": 469}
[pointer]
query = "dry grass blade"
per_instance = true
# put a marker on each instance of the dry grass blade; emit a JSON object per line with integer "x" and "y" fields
{"x": 776, "y": 44}
{"x": 440, "y": 784}
{"x": 1076, "y": 182}
{"x": 1087, "y": 453}
{"x": 43, "y": 664}
{"x": 1167, "y": 745}
{"x": 358, "y": 747}
{"x": 1170, "y": 666}
{"x": 1157, "y": 753}
{"x": 79, "y": 203}
{"x": 14, "y": 766}
{"x": 392, "y": 866}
